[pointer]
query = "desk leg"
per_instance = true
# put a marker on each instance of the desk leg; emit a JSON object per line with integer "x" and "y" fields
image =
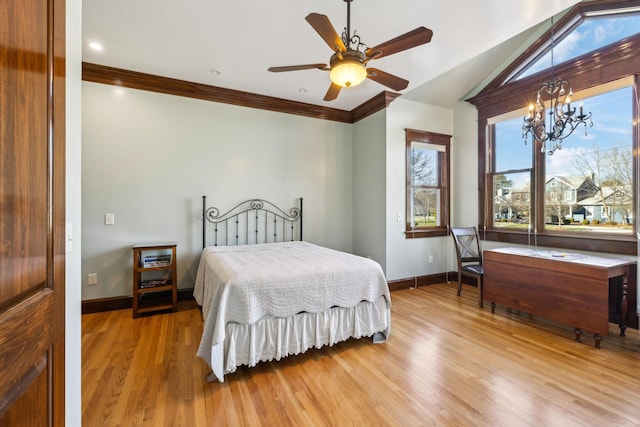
{"x": 624, "y": 306}
{"x": 598, "y": 339}
{"x": 578, "y": 333}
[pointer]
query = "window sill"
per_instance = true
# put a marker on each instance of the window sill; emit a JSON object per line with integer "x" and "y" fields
{"x": 614, "y": 244}
{"x": 419, "y": 233}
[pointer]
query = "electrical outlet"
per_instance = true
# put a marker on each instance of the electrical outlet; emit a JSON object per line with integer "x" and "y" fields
{"x": 430, "y": 259}
{"x": 92, "y": 278}
{"x": 109, "y": 219}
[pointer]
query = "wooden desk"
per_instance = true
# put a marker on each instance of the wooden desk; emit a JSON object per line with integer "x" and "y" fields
{"x": 566, "y": 288}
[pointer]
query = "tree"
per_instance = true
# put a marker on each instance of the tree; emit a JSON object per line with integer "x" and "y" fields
{"x": 611, "y": 170}
{"x": 501, "y": 184}
{"x": 422, "y": 166}
{"x": 557, "y": 210}
{"x": 424, "y": 175}
{"x": 556, "y": 207}
{"x": 514, "y": 201}
{"x": 520, "y": 201}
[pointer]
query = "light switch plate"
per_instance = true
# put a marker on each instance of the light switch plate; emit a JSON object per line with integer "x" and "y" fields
{"x": 69, "y": 239}
{"x": 92, "y": 278}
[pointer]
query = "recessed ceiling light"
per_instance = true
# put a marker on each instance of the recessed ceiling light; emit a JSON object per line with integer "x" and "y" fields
{"x": 95, "y": 46}
{"x": 215, "y": 72}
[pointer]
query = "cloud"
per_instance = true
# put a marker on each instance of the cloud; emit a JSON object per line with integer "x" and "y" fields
{"x": 612, "y": 129}
{"x": 605, "y": 33}
{"x": 567, "y": 48}
{"x": 561, "y": 162}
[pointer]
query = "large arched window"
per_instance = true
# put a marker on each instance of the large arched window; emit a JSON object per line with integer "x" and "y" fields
{"x": 584, "y": 195}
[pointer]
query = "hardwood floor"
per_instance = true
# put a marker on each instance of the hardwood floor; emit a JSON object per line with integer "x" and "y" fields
{"x": 447, "y": 362}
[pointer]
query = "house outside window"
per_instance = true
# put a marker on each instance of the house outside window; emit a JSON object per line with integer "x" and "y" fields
{"x": 585, "y": 189}
{"x": 427, "y": 177}
{"x": 568, "y": 196}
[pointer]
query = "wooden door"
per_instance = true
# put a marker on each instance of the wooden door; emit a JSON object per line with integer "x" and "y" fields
{"x": 32, "y": 237}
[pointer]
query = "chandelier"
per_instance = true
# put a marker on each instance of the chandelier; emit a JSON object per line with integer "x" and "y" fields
{"x": 554, "y": 101}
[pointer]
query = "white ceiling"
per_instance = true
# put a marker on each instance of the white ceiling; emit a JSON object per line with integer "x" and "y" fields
{"x": 242, "y": 38}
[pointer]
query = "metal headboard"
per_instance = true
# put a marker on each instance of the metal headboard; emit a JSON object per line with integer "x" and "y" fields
{"x": 250, "y": 222}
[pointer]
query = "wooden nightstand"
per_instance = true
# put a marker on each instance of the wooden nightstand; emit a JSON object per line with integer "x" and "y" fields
{"x": 155, "y": 286}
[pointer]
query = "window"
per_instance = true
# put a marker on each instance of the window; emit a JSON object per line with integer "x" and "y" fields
{"x": 512, "y": 177}
{"x": 596, "y": 168}
{"x": 427, "y": 192}
{"x": 588, "y": 35}
{"x": 582, "y": 196}
{"x": 598, "y": 165}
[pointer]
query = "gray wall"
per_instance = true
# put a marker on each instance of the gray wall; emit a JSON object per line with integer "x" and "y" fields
{"x": 409, "y": 257}
{"x": 148, "y": 158}
{"x": 464, "y": 166}
{"x": 369, "y": 187}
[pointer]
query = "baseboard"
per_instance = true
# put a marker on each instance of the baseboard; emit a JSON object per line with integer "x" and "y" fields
{"x": 412, "y": 282}
{"x": 121, "y": 303}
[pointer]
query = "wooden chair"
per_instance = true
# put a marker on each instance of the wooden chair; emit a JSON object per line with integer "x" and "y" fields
{"x": 469, "y": 256}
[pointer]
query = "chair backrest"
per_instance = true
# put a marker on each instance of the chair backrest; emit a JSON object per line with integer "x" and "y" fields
{"x": 467, "y": 244}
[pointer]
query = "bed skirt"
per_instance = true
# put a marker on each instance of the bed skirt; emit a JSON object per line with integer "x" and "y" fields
{"x": 275, "y": 338}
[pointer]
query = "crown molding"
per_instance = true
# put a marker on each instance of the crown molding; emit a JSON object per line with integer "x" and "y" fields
{"x": 135, "y": 80}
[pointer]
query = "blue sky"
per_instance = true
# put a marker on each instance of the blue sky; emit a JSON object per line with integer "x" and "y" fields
{"x": 611, "y": 112}
{"x": 612, "y": 127}
{"x": 591, "y": 34}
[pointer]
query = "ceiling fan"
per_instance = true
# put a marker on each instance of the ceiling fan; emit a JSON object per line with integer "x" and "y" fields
{"x": 348, "y": 65}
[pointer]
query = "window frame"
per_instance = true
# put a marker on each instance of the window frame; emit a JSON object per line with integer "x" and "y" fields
{"x": 614, "y": 62}
{"x": 444, "y": 169}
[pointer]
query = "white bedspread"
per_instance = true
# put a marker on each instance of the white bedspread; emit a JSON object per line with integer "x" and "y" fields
{"x": 243, "y": 284}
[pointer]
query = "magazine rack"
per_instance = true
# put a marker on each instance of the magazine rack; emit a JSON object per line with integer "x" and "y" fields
{"x": 154, "y": 278}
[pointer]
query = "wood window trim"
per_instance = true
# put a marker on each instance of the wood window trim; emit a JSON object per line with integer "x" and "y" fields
{"x": 616, "y": 61}
{"x": 413, "y": 135}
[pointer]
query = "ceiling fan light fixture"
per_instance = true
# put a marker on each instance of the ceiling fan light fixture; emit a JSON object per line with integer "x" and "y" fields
{"x": 348, "y": 64}
{"x": 348, "y": 72}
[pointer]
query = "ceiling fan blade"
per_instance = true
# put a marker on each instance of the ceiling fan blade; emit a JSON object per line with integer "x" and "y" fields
{"x": 333, "y": 92}
{"x": 420, "y": 35}
{"x": 386, "y": 79}
{"x": 297, "y": 67}
{"x": 323, "y": 26}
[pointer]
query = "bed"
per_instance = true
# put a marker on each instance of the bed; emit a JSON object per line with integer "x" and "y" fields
{"x": 266, "y": 294}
